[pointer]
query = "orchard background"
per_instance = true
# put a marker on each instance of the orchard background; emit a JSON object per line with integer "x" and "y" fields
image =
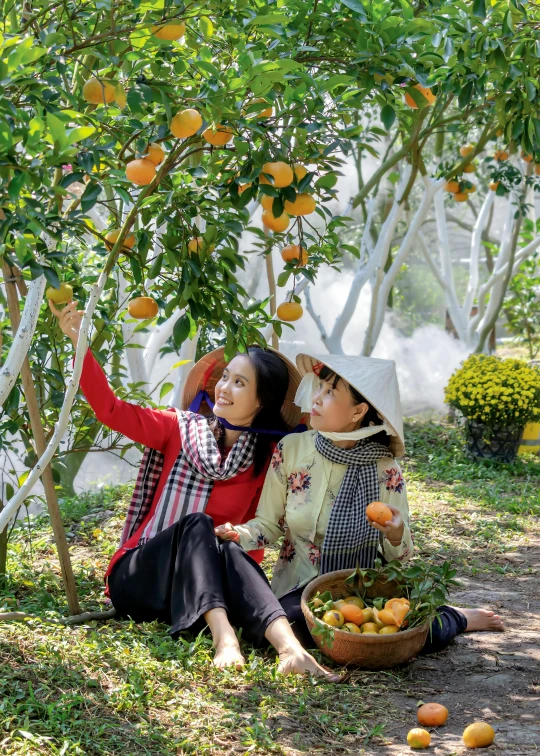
{"x": 408, "y": 134}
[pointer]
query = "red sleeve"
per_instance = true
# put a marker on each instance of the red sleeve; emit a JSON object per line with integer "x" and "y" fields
{"x": 143, "y": 425}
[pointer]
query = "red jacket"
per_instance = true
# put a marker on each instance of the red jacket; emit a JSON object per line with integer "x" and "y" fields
{"x": 234, "y": 500}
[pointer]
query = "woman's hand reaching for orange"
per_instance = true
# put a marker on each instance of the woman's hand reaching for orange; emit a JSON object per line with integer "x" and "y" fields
{"x": 393, "y": 529}
{"x": 69, "y": 320}
{"x": 226, "y": 532}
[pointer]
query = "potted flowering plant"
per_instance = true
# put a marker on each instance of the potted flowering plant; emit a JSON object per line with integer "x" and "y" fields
{"x": 497, "y": 398}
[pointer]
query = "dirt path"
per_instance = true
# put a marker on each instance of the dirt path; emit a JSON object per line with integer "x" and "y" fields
{"x": 494, "y": 677}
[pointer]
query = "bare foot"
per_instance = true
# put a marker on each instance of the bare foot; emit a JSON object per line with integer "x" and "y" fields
{"x": 298, "y": 661}
{"x": 228, "y": 655}
{"x": 482, "y": 619}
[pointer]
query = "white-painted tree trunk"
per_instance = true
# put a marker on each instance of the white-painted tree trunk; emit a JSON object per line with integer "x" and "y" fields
{"x": 61, "y": 426}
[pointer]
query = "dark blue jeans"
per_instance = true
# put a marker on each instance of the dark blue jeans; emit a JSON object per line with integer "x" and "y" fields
{"x": 452, "y": 623}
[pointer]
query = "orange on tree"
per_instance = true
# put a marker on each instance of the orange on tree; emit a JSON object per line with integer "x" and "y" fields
{"x": 170, "y": 31}
{"x": 195, "y": 244}
{"x": 469, "y": 168}
{"x": 99, "y": 91}
{"x": 279, "y": 224}
{"x": 350, "y": 627}
{"x": 293, "y": 252}
{"x": 379, "y": 512}
{"x": 186, "y": 123}
{"x": 299, "y": 171}
{"x": 304, "y": 204}
{"x": 155, "y": 153}
{"x": 494, "y": 185}
{"x": 281, "y": 173}
{"x": 140, "y": 171}
{"x": 62, "y": 295}
{"x": 418, "y": 738}
{"x": 352, "y": 613}
{"x": 451, "y": 186}
{"x": 470, "y": 189}
{"x": 267, "y": 201}
{"x": 425, "y": 92}
{"x": 478, "y": 735}
{"x": 466, "y": 149}
{"x": 333, "y": 617}
{"x": 218, "y": 136}
{"x": 461, "y": 196}
{"x": 143, "y": 308}
{"x": 289, "y": 312}
{"x": 500, "y": 155}
{"x": 388, "y": 630}
{"x": 432, "y": 714}
{"x": 112, "y": 236}
{"x": 525, "y": 157}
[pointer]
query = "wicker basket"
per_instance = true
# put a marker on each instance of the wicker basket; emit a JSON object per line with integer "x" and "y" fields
{"x": 369, "y": 651}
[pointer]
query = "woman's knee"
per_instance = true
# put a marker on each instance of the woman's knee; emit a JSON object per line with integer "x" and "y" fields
{"x": 198, "y": 519}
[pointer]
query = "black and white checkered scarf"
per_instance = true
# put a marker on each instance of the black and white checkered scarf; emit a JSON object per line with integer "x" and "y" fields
{"x": 350, "y": 540}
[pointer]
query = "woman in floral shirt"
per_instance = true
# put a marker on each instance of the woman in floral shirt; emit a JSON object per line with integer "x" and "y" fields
{"x": 320, "y": 482}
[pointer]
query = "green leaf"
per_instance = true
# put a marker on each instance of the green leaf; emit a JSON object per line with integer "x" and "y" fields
{"x": 165, "y": 389}
{"x": 90, "y": 196}
{"x": 283, "y": 277}
{"x": 57, "y": 129}
{"x": 269, "y": 19}
{"x": 52, "y": 277}
{"x": 206, "y": 27}
{"x": 388, "y": 116}
{"x": 181, "y": 330}
{"x": 156, "y": 267}
{"x": 408, "y": 12}
{"x": 479, "y": 8}
{"x": 357, "y": 6}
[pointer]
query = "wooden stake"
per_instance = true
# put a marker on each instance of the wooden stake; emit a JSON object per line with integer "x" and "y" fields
{"x": 272, "y": 291}
{"x": 10, "y": 275}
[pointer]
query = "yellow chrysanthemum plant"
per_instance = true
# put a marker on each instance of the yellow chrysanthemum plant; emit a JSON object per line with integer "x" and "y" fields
{"x": 495, "y": 392}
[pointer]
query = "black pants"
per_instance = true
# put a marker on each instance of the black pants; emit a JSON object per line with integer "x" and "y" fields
{"x": 185, "y": 571}
{"x": 452, "y": 623}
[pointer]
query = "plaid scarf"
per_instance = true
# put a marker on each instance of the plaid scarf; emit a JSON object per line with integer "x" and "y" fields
{"x": 350, "y": 540}
{"x": 191, "y": 479}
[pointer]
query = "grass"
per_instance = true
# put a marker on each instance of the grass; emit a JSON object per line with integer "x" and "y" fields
{"x": 121, "y": 688}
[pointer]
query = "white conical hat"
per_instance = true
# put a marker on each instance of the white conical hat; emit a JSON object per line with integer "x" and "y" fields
{"x": 375, "y": 379}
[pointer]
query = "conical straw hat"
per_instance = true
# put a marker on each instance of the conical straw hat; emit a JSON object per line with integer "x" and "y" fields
{"x": 375, "y": 379}
{"x": 209, "y": 369}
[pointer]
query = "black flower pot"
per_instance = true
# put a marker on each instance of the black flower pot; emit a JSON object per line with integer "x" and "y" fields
{"x": 493, "y": 442}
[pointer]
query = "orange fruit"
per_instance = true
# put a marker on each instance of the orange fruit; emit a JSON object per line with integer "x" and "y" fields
{"x": 418, "y": 738}
{"x": 62, "y": 295}
{"x": 501, "y": 155}
{"x": 368, "y": 615}
{"x": 304, "y": 204}
{"x": 195, "y": 244}
{"x": 432, "y": 714}
{"x": 386, "y": 617}
{"x": 352, "y": 613}
{"x": 143, "y": 308}
{"x": 499, "y": 132}
{"x": 141, "y": 171}
{"x": 495, "y": 185}
{"x": 426, "y": 92}
{"x": 469, "y": 168}
{"x": 478, "y": 735}
{"x": 186, "y": 123}
{"x": 451, "y": 186}
{"x": 279, "y": 224}
{"x": 338, "y": 604}
{"x": 537, "y": 169}
{"x": 470, "y": 189}
{"x": 155, "y": 153}
{"x": 356, "y": 600}
{"x": 379, "y": 512}
{"x": 174, "y": 29}
{"x": 466, "y": 149}
{"x": 281, "y": 173}
{"x": 370, "y": 627}
{"x": 99, "y": 91}
{"x": 290, "y": 311}
{"x": 350, "y": 627}
{"x": 266, "y": 113}
{"x": 293, "y": 252}
{"x": 112, "y": 236}
{"x": 388, "y": 630}
{"x": 461, "y": 196}
{"x": 267, "y": 201}
{"x": 219, "y": 136}
{"x": 299, "y": 171}
{"x": 399, "y": 611}
{"x": 525, "y": 157}
{"x": 390, "y": 603}
{"x": 334, "y": 617}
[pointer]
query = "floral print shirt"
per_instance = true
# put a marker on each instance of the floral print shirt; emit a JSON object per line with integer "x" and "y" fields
{"x": 300, "y": 489}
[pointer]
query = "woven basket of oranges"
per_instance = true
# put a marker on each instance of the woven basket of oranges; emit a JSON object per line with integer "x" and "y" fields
{"x": 374, "y": 618}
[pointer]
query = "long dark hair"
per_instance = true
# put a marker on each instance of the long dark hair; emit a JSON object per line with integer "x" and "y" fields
{"x": 272, "y": 384}
{"x": 370, "y": 418}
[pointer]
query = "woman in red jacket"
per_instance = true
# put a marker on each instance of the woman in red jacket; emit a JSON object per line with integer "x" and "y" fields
{"x": 169, "y": 553}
